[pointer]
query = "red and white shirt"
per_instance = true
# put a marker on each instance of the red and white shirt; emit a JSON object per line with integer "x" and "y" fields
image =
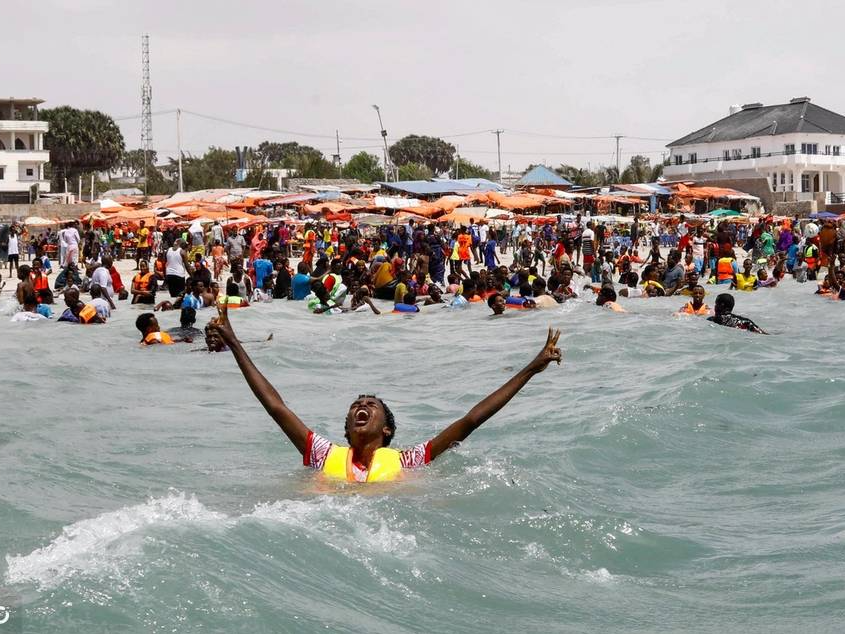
{"x": 317, "y": 450}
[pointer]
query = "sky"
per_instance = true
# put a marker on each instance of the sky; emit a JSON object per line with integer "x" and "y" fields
{"x": 547, "y": 72}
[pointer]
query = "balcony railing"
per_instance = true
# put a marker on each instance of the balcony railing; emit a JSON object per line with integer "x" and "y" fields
{"x": 724, "y": 159}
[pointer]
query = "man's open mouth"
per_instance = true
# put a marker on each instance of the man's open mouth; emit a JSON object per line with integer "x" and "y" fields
{"x": 362, "y": 417}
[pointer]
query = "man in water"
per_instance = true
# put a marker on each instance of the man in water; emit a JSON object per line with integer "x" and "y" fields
{"x": 370, "y": 425}
{"x": 724, "y": 316}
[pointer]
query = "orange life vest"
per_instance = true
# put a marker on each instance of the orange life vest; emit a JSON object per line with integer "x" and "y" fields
{"x": 40, "y": 282}
{"x": 87, "y": 313}
{"x": 724, "y": 269}
{"x": 689, "y": 309}
{"x": 158, "y": 337}
{"x": 143, "y": 281}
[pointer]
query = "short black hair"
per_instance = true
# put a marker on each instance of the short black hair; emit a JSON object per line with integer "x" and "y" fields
{"x": 143, "y": 322}
{"x": 389, "y": 420}
{"x": 725, "y": 303}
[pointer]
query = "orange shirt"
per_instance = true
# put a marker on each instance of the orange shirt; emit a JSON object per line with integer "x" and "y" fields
{"x": 464, "y": 243}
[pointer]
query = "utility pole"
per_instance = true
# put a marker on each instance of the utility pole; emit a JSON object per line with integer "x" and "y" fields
{"x": 498, "y": 134}
{"x": 146, "y": 104}
{"x": 384, "y": 138}
{"x": 179, "y": 145}
{"x": 336, "y": 157}
{"x": 457, "y": 162}
{"x": 618, "y": 173}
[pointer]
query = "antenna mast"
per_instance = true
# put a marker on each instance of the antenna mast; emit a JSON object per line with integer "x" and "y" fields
{"x": 146, "y": 104}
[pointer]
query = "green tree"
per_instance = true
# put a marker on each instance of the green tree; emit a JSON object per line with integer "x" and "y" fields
{"x": 214, "y": 169}
{"x": 133, "y": 161}
{"x": 364, "y": 167}
{"x": 314, "y": 166}
{"x": 81, "y": 141}
{"x": 414, "y": 172}
{"x": 285, "y": 155}
{"x": 579, "y": 176}
{"x": 434, "y": 153}
{"x": 463, "y": 168}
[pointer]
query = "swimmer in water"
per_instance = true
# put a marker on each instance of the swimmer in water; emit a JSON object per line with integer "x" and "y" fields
{"x": 697, "y": 305}
{"x": 370, "y": 425}
{"x": 724, "y": 316}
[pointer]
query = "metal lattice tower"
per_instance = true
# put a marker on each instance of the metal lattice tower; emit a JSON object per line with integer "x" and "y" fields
{"x": 146, "y": 103}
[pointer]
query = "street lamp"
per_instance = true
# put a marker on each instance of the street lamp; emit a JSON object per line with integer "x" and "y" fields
{"x": 384, "y": 138}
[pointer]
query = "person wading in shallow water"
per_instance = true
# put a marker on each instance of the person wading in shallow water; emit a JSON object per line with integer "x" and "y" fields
{"x": 370, "y": 425}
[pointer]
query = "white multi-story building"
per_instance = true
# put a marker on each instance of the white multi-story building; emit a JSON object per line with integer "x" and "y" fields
{"x": 797, "y": 147}
{"x": 22, "y": 153}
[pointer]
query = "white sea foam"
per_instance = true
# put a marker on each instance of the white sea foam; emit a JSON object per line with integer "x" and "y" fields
{"x": 99, "y": 544}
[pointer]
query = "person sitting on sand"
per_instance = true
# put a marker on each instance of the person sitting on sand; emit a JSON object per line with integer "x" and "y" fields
{"x": 370, "y": 425}
{"x": 144, "y": 285}
{"x": 696, "y": 306}
{"x": 724, "y": 316}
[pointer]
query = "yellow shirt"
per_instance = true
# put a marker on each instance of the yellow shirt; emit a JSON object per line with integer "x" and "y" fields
{"x": 143, "y": 237}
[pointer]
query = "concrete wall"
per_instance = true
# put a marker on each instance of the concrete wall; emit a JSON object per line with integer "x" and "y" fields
{"x": 802, "y": 209}
{"x": 64, "y": 212}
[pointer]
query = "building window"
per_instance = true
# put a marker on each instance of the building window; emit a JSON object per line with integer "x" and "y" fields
{"x": 2, "y": 173}
{"x": 783, "y": 178}
{"x": 679, "y": 160}
{"x": 29, "y": 171}
{"x": 736, "y": 154}
{"x": 827, "y": 149}
{"x": 19, "y": 144}
{"x": 809, "y": 148}
{"x": 835, "y": 150}
{"x": 791, "y": 181}
{"x": 755, "y": 152}
{"x": 693, "y": 158}
{"x": 774, "y": 181}
{"x": 726, "y": 155}
{"x": 789, "y": 148}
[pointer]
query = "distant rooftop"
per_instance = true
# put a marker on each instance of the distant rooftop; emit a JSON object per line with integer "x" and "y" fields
{"x": 443, "y": 186}
{"x": 22, "y": 101}
{"x": 755, "y": 119}
{"x": 542, "y": 176}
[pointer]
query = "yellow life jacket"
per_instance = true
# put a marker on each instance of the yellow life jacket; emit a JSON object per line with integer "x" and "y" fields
{"x": 386, "y": 465}
{"x": 158, "y": 337}
{"x": 233, "y": 301}
{"x": 745, "y": 282}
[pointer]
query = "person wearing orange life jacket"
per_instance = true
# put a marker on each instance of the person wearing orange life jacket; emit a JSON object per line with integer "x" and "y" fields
{"x": 152, "y": 334}
{"x": 40, "y": 283}
{"x": 144, "y": 285}
{"x": 696, "y": 306}
{"x": 78, "y": 312}
{"x": 726, "y": 270}
{"x": 370, "y": 425}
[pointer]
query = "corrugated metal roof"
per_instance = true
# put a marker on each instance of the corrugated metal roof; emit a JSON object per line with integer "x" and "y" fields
{"x": 542, "y": 176}
{"x": 439, "y": 187}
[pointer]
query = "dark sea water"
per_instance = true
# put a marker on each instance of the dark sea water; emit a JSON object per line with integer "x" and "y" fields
{"x": 670, "y": 476}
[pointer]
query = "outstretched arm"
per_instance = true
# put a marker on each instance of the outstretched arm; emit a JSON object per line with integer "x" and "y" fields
{"x": 463, "y": 427}
{"x": 289, "y": 422}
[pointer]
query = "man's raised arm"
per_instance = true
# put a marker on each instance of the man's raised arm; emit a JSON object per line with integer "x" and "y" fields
{"x": 463, "y": 427}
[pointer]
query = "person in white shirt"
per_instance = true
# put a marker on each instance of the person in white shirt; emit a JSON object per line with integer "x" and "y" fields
{"x": 102, "y": 277}
{"x": 13, "y": 250}
{"x": 70, "y": 238}
{"x": 102, "y": 306}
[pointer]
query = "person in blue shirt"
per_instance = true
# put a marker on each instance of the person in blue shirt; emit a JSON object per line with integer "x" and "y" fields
{"x": 262, "y": 267}
{"x": 490, "y": 257}
{"x": 301, "y": 283}
{"x": 792, "y": 254}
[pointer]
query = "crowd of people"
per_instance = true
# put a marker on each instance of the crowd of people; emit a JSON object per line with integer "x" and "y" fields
{"x": 344, "y": 269}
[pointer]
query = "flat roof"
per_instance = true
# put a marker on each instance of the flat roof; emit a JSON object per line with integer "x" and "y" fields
{"x": 22, "y": 101}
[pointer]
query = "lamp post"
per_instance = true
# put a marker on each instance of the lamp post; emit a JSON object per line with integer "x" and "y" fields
{"x": 384, "y": 138}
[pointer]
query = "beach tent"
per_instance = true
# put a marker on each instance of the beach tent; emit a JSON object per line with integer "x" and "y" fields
{"x": 824, "y": 215}
{"x": 38, "y": 221}
{"x": 723, "y": 213}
